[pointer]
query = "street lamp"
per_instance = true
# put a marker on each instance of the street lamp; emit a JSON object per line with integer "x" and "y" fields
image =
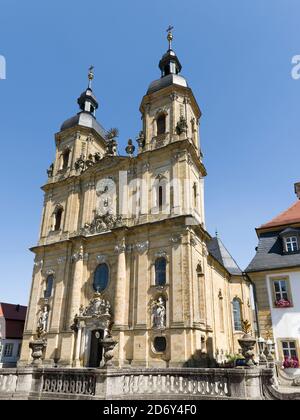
{"x": 261, "y": 345}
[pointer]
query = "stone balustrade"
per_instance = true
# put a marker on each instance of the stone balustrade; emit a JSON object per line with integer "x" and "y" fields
{"x": 139, "y": 384}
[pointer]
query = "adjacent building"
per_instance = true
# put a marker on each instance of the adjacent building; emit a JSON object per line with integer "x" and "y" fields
{"x": 275, "y": 272}
{"x": 12, "y": 320}
{"x": 123, "y": 247}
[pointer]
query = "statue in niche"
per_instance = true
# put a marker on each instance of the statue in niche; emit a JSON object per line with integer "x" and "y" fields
{"x": 181, "y": 125}
{"x": 43, "y": 321}
{"x": 159, "y": 313}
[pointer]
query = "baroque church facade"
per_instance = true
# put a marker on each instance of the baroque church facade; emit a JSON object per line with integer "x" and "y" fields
{"x": 123, "y": 250}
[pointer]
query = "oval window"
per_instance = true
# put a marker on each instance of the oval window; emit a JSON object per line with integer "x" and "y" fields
{"x": 160, "y": 344}
{"x": 101, "y": 278}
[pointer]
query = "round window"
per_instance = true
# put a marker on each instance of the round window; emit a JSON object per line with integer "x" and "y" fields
{"x": 101, "y": 278}
{"x": 160, "y": 344}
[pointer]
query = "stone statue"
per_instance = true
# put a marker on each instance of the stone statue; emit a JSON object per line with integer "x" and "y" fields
{"x": 43, "y": 321}
{"x": 50, "y": 171}
{"x": 159, "y": 313}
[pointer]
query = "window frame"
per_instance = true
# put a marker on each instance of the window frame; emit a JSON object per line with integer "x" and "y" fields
{"x": 289, "y": 241}
{"x": 153, "y": 344}
{"x": 239, "y": 329}
{"x": 46, "y": 296}
{"x": 10, "y": 354}
{"x": 161, "y": 117}
{"x": 282, "y": 340}
{"x": 156, "y": 270}
{"x": 274, "y": 293}
{"x": 108, "y": 277}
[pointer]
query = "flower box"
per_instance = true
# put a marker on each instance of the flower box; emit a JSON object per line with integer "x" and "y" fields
{"x": 282, "y": 303}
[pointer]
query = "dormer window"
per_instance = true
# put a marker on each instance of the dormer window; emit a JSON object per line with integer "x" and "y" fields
{"x": 291, "y": 244}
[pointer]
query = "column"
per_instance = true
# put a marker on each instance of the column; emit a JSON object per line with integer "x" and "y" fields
{"x": 120, "y": 298}
{"x": 78, "y": 346}
{"x": 75, "y": 286}
{"x": 120, "y": 289}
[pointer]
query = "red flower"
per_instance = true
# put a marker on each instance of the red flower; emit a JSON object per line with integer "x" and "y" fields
{"x": 282, "y": 303}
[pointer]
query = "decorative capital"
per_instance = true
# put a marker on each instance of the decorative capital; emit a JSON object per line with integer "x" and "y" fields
{"x": 121, "y": 248}
{"x": 176, "y": 239}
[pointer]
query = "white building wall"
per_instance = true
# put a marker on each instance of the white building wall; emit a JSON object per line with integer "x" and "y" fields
{"x": 286, "y": 321}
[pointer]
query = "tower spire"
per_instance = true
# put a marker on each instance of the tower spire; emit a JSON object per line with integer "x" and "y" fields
{"x": 91, "y": 76}
{"x": 170, "y": 36}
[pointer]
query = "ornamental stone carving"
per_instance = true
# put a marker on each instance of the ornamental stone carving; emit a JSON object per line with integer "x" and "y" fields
{"x": 161, "y": 254}
{"x": 102, "y": 223}
{"x": 80, "y": 255}
{"x": 101, "y": 259}
{"x": 142, "y": 246}
{"x": 96, "y": 308}
{"x": 61, "y": 260}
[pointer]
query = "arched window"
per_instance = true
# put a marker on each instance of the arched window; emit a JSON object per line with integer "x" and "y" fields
{"x": 161, "y": 124}
{"x": 58, "y": 218}
{"x": 237, "y": 314}
{"x": 49, "y": 286}
{"x": 160, "y": 196}
{"x": 160, "y": 271}
{"x": 101, "y": 278}
{"x": 65, "y": 158}
{"x": 161, "y": 192}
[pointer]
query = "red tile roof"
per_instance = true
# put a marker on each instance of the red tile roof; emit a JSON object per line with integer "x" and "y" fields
{"x": 288, "y": 217}
{"x": 13, "y": 312}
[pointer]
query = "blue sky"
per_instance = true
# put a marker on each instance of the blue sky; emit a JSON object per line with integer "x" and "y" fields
{"x": 236, "y": 56}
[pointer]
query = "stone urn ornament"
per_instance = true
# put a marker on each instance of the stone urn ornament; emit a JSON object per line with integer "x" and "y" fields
{"x": 247, "y": 343}
{"x": 37, "y": 347}
{"x": 108, "y": 344}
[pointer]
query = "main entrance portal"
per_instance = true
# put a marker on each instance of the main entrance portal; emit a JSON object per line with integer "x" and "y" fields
{"x": 96, "y": 349}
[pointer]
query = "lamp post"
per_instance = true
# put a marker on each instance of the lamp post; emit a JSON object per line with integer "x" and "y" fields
{"x": 268, "y": 352}
{"x": 262, "y": 357}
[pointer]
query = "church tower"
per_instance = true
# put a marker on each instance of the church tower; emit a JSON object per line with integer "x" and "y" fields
{"x": 123, "y": 253}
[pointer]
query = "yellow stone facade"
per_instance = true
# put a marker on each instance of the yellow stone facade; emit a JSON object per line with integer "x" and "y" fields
{"x": 199, "y": 290}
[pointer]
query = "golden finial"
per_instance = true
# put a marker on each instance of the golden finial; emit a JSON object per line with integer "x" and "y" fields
{"x": 91, "y": 76}
{"x": 170, "y": 36}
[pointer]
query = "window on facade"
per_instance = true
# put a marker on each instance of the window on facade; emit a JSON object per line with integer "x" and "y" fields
{"x": 49, "y": 286}
{"x": 160, "y": 344}
{"x": 195, "y": 194}
{"x": 58, "y": 218}
{"x": 237, "y": 314}
{"x": 8, "y": 350}
{"x": 161, "y": 124}
{"x": 221, "y": 312}
{"x": 160, "y": 271}
{"x": 281, "y": 293}
{"x": 101, "y": 278}
{"x": 160, "y": 196}
{"x": 291, "y": 244}
{"x": 65, "y": 159}
{"x": 289, "y": 349}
